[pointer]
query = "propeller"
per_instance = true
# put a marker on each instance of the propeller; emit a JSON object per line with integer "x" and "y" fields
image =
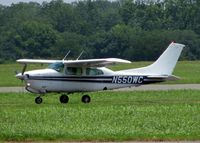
{"x": 24, "y": 69}
{"x": 21, "y": 75}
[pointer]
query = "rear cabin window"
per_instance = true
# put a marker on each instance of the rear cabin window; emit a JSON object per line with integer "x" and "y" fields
{"x": 93, "y": 71}
{"x": 73, "y": 71}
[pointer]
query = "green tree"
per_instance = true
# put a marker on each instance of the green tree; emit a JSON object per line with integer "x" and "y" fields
{"x": 35, "y": 39}
{"x": 60, "y": 15}
{"x": 130, "y": 29}
{"x": 68, "y": 41}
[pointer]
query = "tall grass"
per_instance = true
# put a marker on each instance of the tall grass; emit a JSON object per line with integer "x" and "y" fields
{"x": 111, "y": 116}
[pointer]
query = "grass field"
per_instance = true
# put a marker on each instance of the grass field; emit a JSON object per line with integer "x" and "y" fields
{"x": 189, "y": 72}
{"x": 111, "y": 116}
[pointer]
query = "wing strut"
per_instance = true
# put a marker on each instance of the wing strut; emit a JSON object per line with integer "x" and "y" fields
{"x": 66, "y": 55}
{"x": 80, "y": 55}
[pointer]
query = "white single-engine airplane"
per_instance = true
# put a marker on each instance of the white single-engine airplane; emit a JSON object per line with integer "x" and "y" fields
{"x": 69, "y": 76}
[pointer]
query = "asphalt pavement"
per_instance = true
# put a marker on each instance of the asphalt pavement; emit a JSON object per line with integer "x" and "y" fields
{"x": 140, "y": 88}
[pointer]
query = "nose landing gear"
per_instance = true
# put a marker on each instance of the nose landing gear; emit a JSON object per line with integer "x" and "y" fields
{"x": 38, "y": 100}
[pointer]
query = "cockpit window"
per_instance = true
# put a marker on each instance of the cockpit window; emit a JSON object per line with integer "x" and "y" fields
{"x": 93, "y": 71}
{"x": 57, "y": 66}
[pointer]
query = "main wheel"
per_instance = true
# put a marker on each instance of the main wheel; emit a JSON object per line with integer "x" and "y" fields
{"x": 38, "y": 100}
{"x": 85, "y": 99}
{"x": 64, "y": 98}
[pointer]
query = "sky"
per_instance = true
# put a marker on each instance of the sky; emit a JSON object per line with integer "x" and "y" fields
{"x": 9, "y": 2}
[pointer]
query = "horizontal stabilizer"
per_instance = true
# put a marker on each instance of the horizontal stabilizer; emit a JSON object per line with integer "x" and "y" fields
{"x": 165, "y": 77}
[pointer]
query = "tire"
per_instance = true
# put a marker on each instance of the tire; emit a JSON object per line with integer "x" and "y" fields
{"x": 38, "y": 100}
{"x": 64, "y": 99}
{"x": 86, "y": 99}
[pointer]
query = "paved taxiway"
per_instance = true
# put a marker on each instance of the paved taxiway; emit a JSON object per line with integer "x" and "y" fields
{"x": 163, "y": 87}
{"x": 140, "y": 88}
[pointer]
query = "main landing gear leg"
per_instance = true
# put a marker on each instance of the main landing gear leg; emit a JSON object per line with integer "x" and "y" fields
{"x": 86, "y": 99}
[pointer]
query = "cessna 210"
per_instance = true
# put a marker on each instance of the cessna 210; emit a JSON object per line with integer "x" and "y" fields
{"x": 69, "y": 76}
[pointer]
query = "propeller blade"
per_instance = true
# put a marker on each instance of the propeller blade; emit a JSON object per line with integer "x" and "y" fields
{"x": 24, "y": 69}
{"x": 21, "y": 75}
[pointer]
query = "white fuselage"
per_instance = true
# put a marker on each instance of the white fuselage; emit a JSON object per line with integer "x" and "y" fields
{"x": 50, "y": 80}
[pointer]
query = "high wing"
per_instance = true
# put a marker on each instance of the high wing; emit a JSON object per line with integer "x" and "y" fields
{"x": 96, "y": 62}
{"x": 87, "y": 62}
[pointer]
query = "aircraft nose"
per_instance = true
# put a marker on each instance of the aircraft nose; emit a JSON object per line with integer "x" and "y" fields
{"x": 19, "y": 76}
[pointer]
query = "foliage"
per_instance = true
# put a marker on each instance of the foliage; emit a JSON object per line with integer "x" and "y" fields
{"x": 130, "y": 29}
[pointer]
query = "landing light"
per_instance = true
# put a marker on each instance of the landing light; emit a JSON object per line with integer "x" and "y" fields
{"x": 28, "y": 84}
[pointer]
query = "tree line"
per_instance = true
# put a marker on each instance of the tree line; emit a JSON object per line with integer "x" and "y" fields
{"x": 129, "y": 29}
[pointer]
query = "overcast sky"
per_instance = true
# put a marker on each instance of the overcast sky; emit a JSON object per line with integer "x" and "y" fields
{"x": 9, "y": 2}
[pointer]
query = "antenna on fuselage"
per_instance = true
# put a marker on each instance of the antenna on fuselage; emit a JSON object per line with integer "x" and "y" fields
{"x": 80, "y": 55}
{"x": 66, "y": 55}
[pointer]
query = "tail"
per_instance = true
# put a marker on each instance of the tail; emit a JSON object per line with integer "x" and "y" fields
{"x": 165, "y": 64}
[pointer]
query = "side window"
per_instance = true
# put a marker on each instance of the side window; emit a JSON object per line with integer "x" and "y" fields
{"x": 93, "y": 71}
{"x": 73, "y": 71}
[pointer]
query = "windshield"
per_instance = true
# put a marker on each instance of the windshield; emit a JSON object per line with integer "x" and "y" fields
{"x": 57, "y": 66}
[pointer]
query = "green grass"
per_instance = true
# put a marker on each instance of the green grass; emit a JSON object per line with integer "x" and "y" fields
{"x": 111, "y": 116}
{"x": 189, "y": 71}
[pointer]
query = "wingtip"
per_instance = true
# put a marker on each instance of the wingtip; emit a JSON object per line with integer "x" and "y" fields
{"x": 129, "y": 62}
{"x": 19, "y": 60}
{"x": 120, "y": 60}
{"x": 177, "y": 44}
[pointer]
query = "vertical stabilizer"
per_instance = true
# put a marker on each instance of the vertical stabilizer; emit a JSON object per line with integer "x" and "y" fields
{"x": 167, "y": 61}
{"x": 165, "y": 64}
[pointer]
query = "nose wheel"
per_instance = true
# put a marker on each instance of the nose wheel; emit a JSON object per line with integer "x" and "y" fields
{"x": 64, "y": 99}
{"x": 86, "y": 99}
{"x": 38, "y": 100}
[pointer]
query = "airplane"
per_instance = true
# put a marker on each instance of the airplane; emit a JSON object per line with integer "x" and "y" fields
{"x": 87, "y": 75}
